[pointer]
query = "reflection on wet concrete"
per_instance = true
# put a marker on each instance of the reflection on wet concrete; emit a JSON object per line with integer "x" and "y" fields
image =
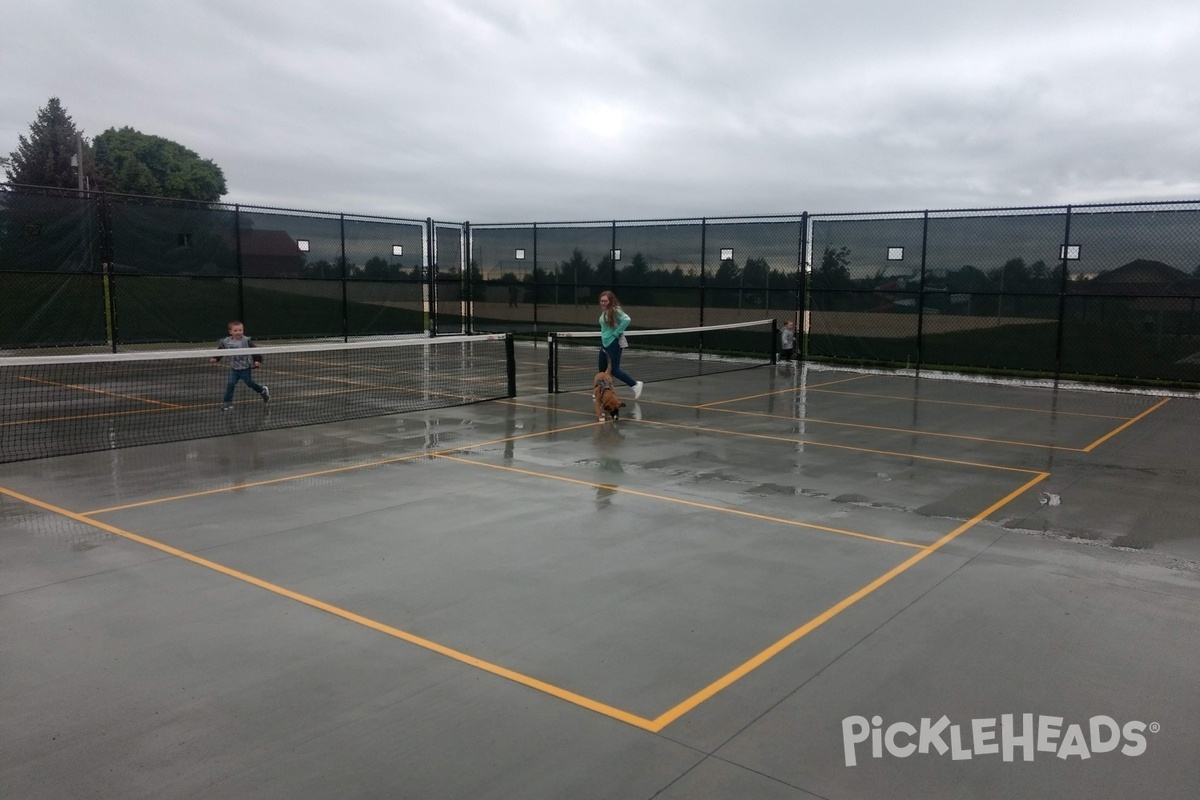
{"x": 18, "y": 518}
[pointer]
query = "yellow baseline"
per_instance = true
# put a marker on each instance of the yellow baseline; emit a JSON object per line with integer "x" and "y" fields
{"x": 478, "y": 663}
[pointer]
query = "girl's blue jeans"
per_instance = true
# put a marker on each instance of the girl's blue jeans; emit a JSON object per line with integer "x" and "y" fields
{"x": 614, "y": 352}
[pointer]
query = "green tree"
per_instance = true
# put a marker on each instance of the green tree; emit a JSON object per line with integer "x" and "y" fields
{"x": 319, "y": 269}
{"x": 834, "y": 269}
{"x": 576, "y": 272}
{"x": 967, "y": 278}
{"x": 638, "y": 270}
{"x": 102, "y": 163}
{"x": 754, "y": 273}
{"x": 578, "y": 269}
{"x": 137, "y": 163}
{"x": 728, "y": 273}
{"x": 1014, "y": 276}
{"x": 605, "y": 269}
{"x": 44, "y": 159}
{"x": 377, "y": 268}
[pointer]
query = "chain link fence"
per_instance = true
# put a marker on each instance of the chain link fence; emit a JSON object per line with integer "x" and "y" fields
{"x": 1098, "y": 292}
{"x": 1105, "y": 292}
{"x": 88, "y": 271}
{"x": 533, "y": 278}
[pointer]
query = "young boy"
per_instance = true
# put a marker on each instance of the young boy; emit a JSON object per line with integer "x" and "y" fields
{"x": 787, "y": 342}
{"x": 240, "y": 366}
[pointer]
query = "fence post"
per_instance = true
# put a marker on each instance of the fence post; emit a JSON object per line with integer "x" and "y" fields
{"x": 427, "y": 280}
{"x": 107, "y": 253}
{"x": 537, "y": 285}
{"x": 1062, "y": 297}
{"x": 345, "y": 270}
{"x": 802, "y": 288}
{"x": 237, "y": 241}
{"x": 612, "y": 256}
{"x": 921, "y": 289}
{"x": 465, "y": 285}
{"x": 703, "y": 254}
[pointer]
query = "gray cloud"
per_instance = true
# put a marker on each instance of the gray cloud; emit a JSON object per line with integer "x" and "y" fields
{"x": 504, "y": 111}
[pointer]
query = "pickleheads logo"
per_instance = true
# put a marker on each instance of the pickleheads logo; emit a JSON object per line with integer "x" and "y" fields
{"x": 983, "y": 737}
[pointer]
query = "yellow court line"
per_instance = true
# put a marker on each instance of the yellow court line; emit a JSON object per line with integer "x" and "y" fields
{"x": 277, "y": 397}
{"x": 333, "y": 470}
{"x": 715, "y": 406}
{"x": 789, "y": 440}
{"x": 457, "y": 655}
{"x": 751, "y": 397}
{"x": 106, "y": 414}
{"x": 555, "y": 691}
{"x": 962, "y": 403}
{"x": 828, "y": 383}
{"x": 680, "y": 501}
{"x": 97, "y": 391}
{"x": 913, "y": 431}
{"x": 835, "y": 446}
{"x": 1120, "y": 428}
{"x": 359, "y": 384}
{"x": 757, "y": 661}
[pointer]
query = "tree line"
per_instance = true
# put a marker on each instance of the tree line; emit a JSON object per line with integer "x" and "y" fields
{"x": 120, "y": 160}
{"x": 831, "y": 272}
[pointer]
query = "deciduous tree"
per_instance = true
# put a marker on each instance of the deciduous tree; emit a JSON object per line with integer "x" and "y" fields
{"x": 137, "y": 163}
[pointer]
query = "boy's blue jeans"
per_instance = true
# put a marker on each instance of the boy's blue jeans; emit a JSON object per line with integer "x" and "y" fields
{"x": 243, "y": 375}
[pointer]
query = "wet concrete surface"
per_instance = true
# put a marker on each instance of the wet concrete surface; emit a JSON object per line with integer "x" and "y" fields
{"x": 510, "y": 600}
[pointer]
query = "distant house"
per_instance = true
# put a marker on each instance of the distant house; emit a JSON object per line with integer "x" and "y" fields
{"x": 1141, "y": 278}
{"x": 1162, "y": 298}
{"x": 270, "y": 254}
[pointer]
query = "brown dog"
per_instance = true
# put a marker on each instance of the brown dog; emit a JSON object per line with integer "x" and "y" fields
{"x": 605, "y": 396}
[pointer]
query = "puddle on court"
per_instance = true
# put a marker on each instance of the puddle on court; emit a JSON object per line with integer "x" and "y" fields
{"x": 17, "y": 518}
{"x": 773, "y": 490}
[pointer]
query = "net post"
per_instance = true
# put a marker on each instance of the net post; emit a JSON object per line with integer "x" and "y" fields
{"x": 774, "y": 352}
{"x": 510, "y": 357}
{"x": 551, "y": 361}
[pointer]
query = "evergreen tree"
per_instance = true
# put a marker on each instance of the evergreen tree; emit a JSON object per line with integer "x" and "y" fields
{"x": 44, "y": 159}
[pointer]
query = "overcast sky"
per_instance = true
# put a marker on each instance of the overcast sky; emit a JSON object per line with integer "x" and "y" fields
{"x": 536, "y": 110}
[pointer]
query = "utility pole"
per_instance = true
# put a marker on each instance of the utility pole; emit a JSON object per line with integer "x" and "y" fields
{"x": 79, "y": 161}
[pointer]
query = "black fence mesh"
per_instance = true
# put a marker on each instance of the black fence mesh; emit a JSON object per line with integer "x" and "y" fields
{"x": 675, "y": 273}
{"x": 1099, "y": 292}
{"x": 51, "y": 284}
{"x": 451, "y": 302}
{"x": 88, "y": 271}
{"x": 1103, "y": 292}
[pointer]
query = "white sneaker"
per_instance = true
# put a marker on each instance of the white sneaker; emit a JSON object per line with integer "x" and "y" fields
{"x": 637, "y": 390}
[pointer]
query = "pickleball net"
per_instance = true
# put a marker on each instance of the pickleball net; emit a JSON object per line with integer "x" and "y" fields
{"x": 662, "y": 354}
{"x": 59, "y": 405}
